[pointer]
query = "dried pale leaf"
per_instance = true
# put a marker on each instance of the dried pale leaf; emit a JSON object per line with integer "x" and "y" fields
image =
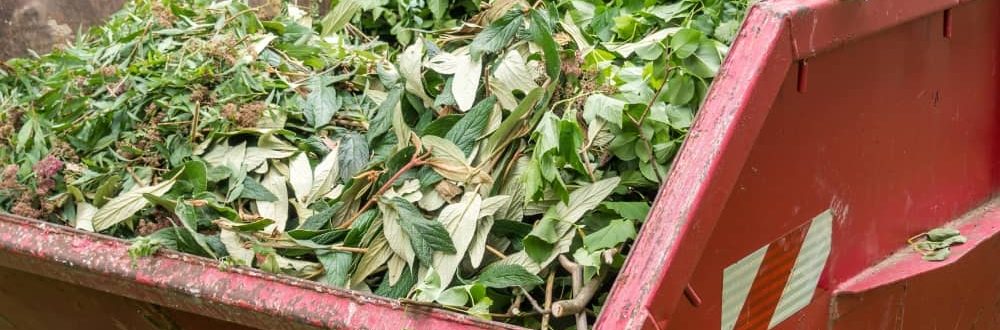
{"x": 449, "y": 161}
{"x": 409, "y": 66}
{"x": 459, "y": 220}
{"x": 398, "y": 240}
{"x": 85, "y": 216}
{"x": 477, "y": 249}
{"x": 466, "y": 84}
{"x": 443, "y": 63}
{"x": 324, "y": 177}
{"x": 127, "y": 204}
{"x": 373, "y": 259}
{"x": 395, "y": 271}
{"x": 493, "y": 204}
{"x": 300, "y": 176}
{"x": 235, "y": 247}
{"x": 431, "y": 200}
{"x": 466, "y": 71}
{"x": 257, "y": 156}
{"x": 278, "y": 209}
{"x": 512, "y": 74}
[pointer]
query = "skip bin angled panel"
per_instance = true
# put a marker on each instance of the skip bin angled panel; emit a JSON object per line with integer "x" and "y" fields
{"x": 896, "y": 133}
{"x": 683, "y": 214}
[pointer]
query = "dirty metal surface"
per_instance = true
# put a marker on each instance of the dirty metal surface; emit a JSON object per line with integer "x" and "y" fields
{"x": 32, "y": 302}
{"x": 906, "y": 292}
{"x": 198, "y": 286}
{"x": 883, "y": 112}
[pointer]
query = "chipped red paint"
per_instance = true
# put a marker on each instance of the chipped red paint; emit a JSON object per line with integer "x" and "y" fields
{"x": 897, "y": 132}
{"x": 197, "y": 285}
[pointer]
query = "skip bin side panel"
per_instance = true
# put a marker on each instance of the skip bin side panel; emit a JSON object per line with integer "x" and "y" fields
{"x": 896, "y": 134}
{"x": 954, "y": 135}
{"x": 198, "y": 285}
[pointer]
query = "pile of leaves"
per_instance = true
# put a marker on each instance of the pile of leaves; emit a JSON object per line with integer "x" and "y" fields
{"x": 491, "y": 158}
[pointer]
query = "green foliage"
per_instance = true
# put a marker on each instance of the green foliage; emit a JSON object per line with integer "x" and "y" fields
{"x": 442, "y": 151}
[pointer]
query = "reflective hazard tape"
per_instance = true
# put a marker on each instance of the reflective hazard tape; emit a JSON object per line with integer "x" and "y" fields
{"x": 770, "y": 284}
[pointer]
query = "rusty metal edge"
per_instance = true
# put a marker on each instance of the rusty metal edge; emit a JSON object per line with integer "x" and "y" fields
{"x": 774, "y": 35}
{"x": 198, "y": 285}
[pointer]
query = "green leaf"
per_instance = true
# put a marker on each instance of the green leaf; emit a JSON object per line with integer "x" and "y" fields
{"x": 188, "y": 216}
{"x": 497, "y": 35}
{"x": 941, "y": 234}
{"x": 541, "y": 34}
{"x": 426, "y": 236}
{"x": 383, "y": 114}
{"x": 467, "y": 130}
{"x": 440, "y": 127}
{"x": 336, "y": 267}
{"x": 504, "y": 276}
{"x": 617, "y": 232}
{"x": 402, "y": 287}
{"x": 680, "y": 89}
{"x": 706, "y": 60}
{"x": 105, "y": 190}
{"x": 252, "y": 226}
{"x": 196, "y": 174}
{"x": 685, "y": 42}
{"x": 321, "y": 104}
{"x": 604, "y": 107}
{"x": 629, "y": 210}
{"x": 254, "y": 190}
{"x": 319, "y": 219}
{"x": 354, "y": 155}
{"x": 570, "y": 142}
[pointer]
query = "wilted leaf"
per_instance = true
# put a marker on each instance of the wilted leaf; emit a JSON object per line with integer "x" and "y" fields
{"x": 127, "y": 204}
{"x": 459, "y": 220}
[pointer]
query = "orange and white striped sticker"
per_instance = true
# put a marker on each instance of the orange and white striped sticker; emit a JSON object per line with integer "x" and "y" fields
{"x": 772, "y": 283}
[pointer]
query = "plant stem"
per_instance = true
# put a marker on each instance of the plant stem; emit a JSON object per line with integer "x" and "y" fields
{"x": 548, "y": 299}
{"x": 415, "y": 161}
{"x": 576, "y": 274}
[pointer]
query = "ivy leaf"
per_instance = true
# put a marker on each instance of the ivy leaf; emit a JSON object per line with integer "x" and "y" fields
{"x": 680, "y": 89}
{"x": 497, "y": 35}
{"x": 705, "y": 62}
{"x": 503, "y": 276}
{"x": 617, "y": 232}
{"x": 685, "y": 42}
